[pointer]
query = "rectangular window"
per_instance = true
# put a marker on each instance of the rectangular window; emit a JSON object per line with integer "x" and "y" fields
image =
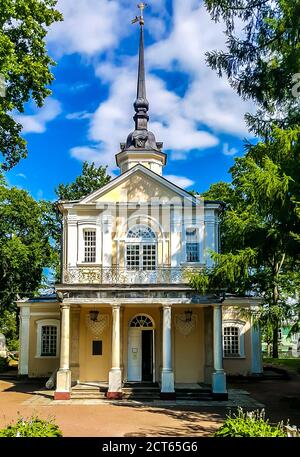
{"x": 97, "y": 347}
{"x": 49, "y": 340}
{"x": 133, "y": 256}
{"x": 192, "y": 245}
{"x": 90, "y": 246}
{"x": 149, "y": 257}
{"x": 231, "y": 342}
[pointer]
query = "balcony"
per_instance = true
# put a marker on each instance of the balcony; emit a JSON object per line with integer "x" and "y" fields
{"x": 116, "y": 275}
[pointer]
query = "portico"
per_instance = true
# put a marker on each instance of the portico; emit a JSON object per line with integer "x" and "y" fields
{"x": 150, "y": 344}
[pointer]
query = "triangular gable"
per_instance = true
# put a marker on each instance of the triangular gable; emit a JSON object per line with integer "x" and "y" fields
{"x": 139, "y": 184}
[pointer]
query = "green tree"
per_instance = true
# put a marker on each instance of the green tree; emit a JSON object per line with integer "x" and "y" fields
{"x": 260, "y": 228}
{"x": 90, "y": 179}
{"x": 24, "y": 246}
{"x": 261, "y": 60}
{"x": 24, "y": 67}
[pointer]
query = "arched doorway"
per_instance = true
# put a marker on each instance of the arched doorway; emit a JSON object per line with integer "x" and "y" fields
{"x": 141, "y": 350}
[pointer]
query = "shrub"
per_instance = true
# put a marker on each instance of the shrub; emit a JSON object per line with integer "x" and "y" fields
{"x": 3, "y": 364}
{"x": 31, "y": 427}
{"x": 249, "y": 424}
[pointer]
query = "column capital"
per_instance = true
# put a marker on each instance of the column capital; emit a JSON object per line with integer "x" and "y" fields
{"x": 167, "y": 305}
{"x": 116, "y": 305}
{"x": 65, "y": 306}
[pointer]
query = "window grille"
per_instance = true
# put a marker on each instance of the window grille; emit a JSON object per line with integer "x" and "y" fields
{"x": 90, "y": 246}
{"x": 141, "y": 321}
{"x": 231, "y": 342}
{"x": 192, "y": 245}
{"x": 49, "y": 340}
{"x": 141, "y": 249}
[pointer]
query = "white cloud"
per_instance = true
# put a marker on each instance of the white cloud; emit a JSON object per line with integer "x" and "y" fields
{"x": 185, "y": 122}
{"x": 89, "y": 27}
{"x": 227, "y": 151}
{"x": 36, "y": 123}
{"x": 79, "y": 115}
{"x": 21, "y": 175}
{"x": 180, "y": 181}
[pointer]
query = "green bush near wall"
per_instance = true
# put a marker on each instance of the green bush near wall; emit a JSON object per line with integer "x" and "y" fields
{"x": 4, "y": 365}
{"x": 249, "y": 424}
{"x": 31, "y": 427}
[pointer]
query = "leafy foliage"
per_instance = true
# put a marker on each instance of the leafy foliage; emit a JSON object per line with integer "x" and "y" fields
{"x": 32, "y": 427}
{"x": 260, "y": 230}
{"x": 4, "y": 365}
{"x": 8, "y": 326}
{"x": 24, "y": 65}
{"x": 24, "y": 245}
{"x": 261, "y": 59}
{"x": 249, "y": 424}
{"x": 92, "y": 178}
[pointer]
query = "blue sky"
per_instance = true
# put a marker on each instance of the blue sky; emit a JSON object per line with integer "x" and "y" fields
{"x": 196, "y": 114}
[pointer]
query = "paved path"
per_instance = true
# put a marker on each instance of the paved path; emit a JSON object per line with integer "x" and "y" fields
{"x": 101, "y": 418}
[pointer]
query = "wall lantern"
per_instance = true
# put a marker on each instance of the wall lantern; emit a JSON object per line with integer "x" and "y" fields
{"x": 188, "y": 315}
{"x": 94, "y": 315}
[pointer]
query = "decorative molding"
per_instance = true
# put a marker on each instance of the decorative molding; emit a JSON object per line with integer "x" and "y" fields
{"x": 185, "y": 327}
{"x": 99, "y": 326}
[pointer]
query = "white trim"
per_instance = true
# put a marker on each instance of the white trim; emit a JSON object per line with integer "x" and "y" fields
{"x": 24, "y": 339}
{"x": 44, "y": 313}
{"x": 42, "y": 323}
{"x": 241, "y": 328}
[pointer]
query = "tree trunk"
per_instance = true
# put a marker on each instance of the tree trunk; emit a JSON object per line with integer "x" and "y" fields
{"x": 275, "y": 341}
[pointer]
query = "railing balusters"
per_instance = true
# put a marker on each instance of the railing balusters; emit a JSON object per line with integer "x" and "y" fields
{"x": 118, "y": 275}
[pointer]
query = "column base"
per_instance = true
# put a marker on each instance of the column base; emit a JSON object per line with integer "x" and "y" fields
{"x": 114, "y": 384}
{"x": 63, "y": 385}
{"x": 220, "y": 397}
{"x": 62, "y": 395}
{"x": 167, "y": 395}
{"x": 219, "y": 383}
{"x": 167, "y": 382}
{"x": 114, "y": 395}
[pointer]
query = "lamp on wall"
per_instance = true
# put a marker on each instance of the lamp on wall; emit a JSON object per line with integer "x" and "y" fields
{"x": 188, "y": 315}
{"x": 94, "y": 315}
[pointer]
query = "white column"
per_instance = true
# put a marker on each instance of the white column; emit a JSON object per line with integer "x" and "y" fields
{"x": 63, "y": 378}
{"x": 115, "y": 374}
{"x": 219, "y": 377}
{"x": 167, "y": 375}
{"x": 256, "y": 354}
{"x": 72, "y": 241}
{"x": 24, "y": 339}
{"x": 107, "y": 241}
{"x": 176, "y": 231}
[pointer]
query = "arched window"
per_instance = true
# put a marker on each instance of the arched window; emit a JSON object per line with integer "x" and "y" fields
{"x": 141, "y": 321}
{"x": 141, "y": 250}
{"x": 233, "y": 339}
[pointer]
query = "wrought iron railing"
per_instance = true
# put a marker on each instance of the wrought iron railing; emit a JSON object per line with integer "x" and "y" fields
{"x": 118, "y": 275}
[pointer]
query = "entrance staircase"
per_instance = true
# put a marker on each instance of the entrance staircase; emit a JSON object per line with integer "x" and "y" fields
{"x": 141, "y": 392}
{"x": 89, "y": 391}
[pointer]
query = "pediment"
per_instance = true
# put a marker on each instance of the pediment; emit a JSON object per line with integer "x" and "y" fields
{"x": 138, "y": 185}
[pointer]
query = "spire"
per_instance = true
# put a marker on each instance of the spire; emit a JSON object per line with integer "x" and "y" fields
{"x": 141, "y": 145}
{"x": 141, "y": 104}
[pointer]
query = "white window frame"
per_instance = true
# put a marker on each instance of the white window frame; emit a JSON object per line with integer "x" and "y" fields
{"x": 44, "y": 323}
{"x": 141, "y": 242}
{"x": 191, "y": 227}
{"x": 85, "y": 231}
{"x": 240, "y": 325}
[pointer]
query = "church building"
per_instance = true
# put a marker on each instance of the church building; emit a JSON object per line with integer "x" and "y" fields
{"x": 124, "y": 313}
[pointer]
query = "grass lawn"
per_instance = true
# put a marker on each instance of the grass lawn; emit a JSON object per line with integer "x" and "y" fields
{"x": 291, "y": 364}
